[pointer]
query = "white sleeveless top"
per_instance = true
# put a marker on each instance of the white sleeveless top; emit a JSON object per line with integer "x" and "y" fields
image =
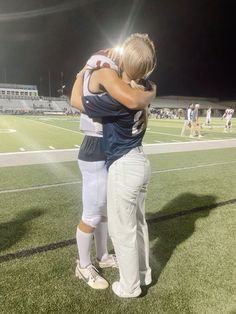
{"x": 93, "y": 127}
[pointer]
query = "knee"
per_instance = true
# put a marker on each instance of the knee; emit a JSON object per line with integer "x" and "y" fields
{"x": 93, "y": 221}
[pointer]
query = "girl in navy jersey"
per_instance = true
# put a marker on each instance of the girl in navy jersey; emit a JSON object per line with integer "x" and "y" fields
{"x": 128, "y": 167}
{"x": 94, "y": 173}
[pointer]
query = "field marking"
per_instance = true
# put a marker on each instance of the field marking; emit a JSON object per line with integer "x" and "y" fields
{"x": 164, "y": 133}
{"x": 194, "y": 167}
{"x": 175, "y": 135}
{"x": 7, "y": 130}
{"x": 51, "y": 147}
{"x": 57, "y": 127}
{"x": 64, "y": 155}
{"x": 191, "y": 140}
{"x": 58, "y": 119}
{"x": 22, "y": 149}
{"x": 58, "y": 245}
{"x": 39, "y": 187}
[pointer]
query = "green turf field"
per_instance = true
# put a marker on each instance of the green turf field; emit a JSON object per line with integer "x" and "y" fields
{"x": 29, "y": 133}
{"x": 192, "y": 247}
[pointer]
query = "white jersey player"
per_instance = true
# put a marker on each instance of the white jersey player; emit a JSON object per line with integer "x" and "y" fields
{"x": 91, "y": 162}
{"x": 188, "y": 119}
{"x": 228, "y": 117}
{"x": 208, "y": 118}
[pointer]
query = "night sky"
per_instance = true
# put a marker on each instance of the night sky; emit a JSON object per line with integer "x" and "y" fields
{"x": 195, "y": 41}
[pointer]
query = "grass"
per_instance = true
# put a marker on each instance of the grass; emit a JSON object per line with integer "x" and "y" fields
{"x": 47, "y": 132}
{"x": 192, "y": 256}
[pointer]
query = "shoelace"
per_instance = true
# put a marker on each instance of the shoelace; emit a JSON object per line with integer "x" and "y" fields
{"x": 93, "y": 272}
{"x": 115, "y": 260}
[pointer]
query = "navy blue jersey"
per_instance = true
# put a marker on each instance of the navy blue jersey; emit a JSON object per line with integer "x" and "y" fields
{"x": 123, "y": 129}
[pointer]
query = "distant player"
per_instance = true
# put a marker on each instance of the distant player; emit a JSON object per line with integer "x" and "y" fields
{"x": 188, "y": 119}
{"x": 228, "y": 117}
{"x": 208, "y": 118}
{"x": 195, "y": 128}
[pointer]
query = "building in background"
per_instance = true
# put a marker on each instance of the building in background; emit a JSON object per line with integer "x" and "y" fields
{"x": 18, "y": 91}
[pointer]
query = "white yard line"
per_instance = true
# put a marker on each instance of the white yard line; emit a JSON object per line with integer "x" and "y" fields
{"x": 154, "y": 132}
{"x": 195, "y": 167}
{"x": 22, "y": 149}
{"x": 51, "y": 147}
{"x": 63, "y": 155}
{"x": 58, "y": 127}
{"x": 39, "y": 187}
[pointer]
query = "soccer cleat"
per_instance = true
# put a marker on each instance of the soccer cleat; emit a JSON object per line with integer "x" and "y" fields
{"x": 109, "y": 261}
{"x": 91, "y": 276}
{"x": 122, "y": 294}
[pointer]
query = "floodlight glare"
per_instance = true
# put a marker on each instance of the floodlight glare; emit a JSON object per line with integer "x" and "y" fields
{"x": 119, "y": 50}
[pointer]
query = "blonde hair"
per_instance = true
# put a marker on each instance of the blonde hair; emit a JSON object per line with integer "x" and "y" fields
{"x": 138, "y": 56}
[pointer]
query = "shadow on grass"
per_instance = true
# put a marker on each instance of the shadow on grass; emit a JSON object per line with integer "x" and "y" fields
{"x": 173, "y": 230}
{"x": 11, "y": 232}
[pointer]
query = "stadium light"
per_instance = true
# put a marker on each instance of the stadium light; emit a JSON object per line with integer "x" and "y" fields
{"x": 119, "y": 50}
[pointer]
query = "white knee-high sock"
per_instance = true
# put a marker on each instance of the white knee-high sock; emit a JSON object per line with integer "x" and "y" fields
{"x": 100, "y": 235}
{"x": 84, "y": 242}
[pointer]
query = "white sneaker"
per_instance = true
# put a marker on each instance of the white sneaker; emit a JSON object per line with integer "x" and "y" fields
{"x": 109, "y": 261}
{"x": 122, "y": 294}
{"x": 91, "y": 276}
{"x": 145, "y": 277}
{"x": 146, "y": 282}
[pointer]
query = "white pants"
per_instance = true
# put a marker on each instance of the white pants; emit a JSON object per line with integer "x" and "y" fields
{"x": 128, "y": 178}
{"x": 94, "y": 189}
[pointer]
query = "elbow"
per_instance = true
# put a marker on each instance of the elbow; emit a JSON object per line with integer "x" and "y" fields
{"x": 74, "y": 102}
{"x": 134, "y": 104}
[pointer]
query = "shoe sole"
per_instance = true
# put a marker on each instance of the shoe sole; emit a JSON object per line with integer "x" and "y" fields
{"x": 107, "y": 266}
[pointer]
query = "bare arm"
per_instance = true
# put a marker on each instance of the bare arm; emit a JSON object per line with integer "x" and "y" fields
{"x": 118, "y": 89}
{"x": 77, "y": 92}
{"x": 122, "y": 92}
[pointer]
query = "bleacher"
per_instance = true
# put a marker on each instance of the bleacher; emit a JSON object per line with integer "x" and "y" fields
{"x": 24, "y": 99}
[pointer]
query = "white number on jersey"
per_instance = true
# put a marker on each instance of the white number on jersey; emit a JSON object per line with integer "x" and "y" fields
{"x": 139, "y": 119}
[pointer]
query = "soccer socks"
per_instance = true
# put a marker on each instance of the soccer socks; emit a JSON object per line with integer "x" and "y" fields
{"x": 100, "y": 235}
{"x": 84, "y": 242}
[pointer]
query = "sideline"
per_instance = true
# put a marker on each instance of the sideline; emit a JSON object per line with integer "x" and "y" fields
{"x": 39, "y": 187}
{"x": 63, "y": 155}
